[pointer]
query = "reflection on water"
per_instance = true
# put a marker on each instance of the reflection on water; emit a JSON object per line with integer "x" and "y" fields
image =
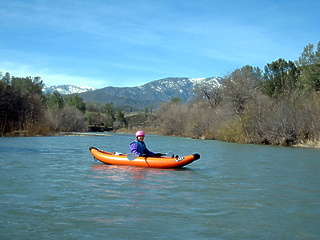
{"x": 50, "y": 188}
{"x": 133, "y": 176}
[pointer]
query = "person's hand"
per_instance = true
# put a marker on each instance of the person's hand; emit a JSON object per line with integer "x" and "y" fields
{"x": 159, "y": 154}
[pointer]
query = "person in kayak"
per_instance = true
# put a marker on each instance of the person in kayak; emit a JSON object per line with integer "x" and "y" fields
{"x": 139, "y": 147}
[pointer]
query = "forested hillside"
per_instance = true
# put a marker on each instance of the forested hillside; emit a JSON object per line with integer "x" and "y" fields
{"x": 278, "y": 105}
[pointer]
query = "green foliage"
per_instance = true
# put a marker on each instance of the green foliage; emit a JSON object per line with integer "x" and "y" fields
{"x": 309, "y": 64}
{"x": 93, "y": 107}
{"x": 24, "y": 109}
{"x": 280, "y": 76}
{"x": 128, "y": 108}
{"x": 77, "y": 102}
{"x": 109, "y": 110}
{"x": 55, "y": 101}
{"x": 99, "y": 117}
{"x": 140, "y": 119}
{"x": 6, "y": 78}
{"x": 21, "y": 106}
{"x": 176, "y": 100}
{"x": 27, "y": 85}
{"x": 120, "y": 116}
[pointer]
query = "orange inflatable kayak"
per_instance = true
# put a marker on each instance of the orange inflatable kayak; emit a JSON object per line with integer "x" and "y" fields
{"x": 135, "y": 160}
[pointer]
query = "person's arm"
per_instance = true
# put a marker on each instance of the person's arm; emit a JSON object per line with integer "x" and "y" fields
{"x": 134, "y": 147}
{"x": 148, "y": 152}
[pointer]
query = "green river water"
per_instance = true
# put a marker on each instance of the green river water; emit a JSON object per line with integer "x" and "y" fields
{"x": 52, "y": 189}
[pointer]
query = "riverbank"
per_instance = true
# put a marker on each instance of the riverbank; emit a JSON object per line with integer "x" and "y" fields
{"x": 149, "y": 131}
{"x": 153, "y": 131}
{"x": 308, "y": 144}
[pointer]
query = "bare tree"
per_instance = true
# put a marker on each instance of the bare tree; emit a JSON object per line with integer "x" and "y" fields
{"x": 67, "y": 119}
{"x": 240, "y": 87}
{"x": 172, "y": 118}
{"x": 211, "y": 92}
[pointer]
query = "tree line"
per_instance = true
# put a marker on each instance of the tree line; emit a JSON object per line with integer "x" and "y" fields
{"x": 278, "y": 105}
{"x": 25, "y": 110}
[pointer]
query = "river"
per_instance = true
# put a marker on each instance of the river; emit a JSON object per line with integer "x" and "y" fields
{"x": 52, "y": 189}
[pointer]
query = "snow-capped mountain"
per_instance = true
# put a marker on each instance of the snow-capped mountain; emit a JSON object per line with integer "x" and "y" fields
{"x": 152, "y": 93}
{"x": 67, "y": 89}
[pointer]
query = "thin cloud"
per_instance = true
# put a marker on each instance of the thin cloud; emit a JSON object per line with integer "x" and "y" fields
{"x": 126, "y": 42}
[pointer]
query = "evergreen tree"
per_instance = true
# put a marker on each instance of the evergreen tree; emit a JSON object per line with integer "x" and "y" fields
{"x": 55, "y": 101}
{"x": 77, "y": 102}
{"x": 280, "y": 76}
{"x": 309, "y": 64}
{"x": 109, "y": 110}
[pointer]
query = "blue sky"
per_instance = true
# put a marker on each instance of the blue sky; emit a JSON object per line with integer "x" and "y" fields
{"x": 102, "y": 43}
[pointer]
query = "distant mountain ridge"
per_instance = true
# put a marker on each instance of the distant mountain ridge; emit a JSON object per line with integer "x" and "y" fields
{"x": 150, "y": 94}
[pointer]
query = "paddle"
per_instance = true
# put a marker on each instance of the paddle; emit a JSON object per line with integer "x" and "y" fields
{"x": 168, "y": 154}
{"x": 133, "y": 156}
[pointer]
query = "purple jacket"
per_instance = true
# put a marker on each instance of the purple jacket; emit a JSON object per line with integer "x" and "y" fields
{"x": 138, "y": 147}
